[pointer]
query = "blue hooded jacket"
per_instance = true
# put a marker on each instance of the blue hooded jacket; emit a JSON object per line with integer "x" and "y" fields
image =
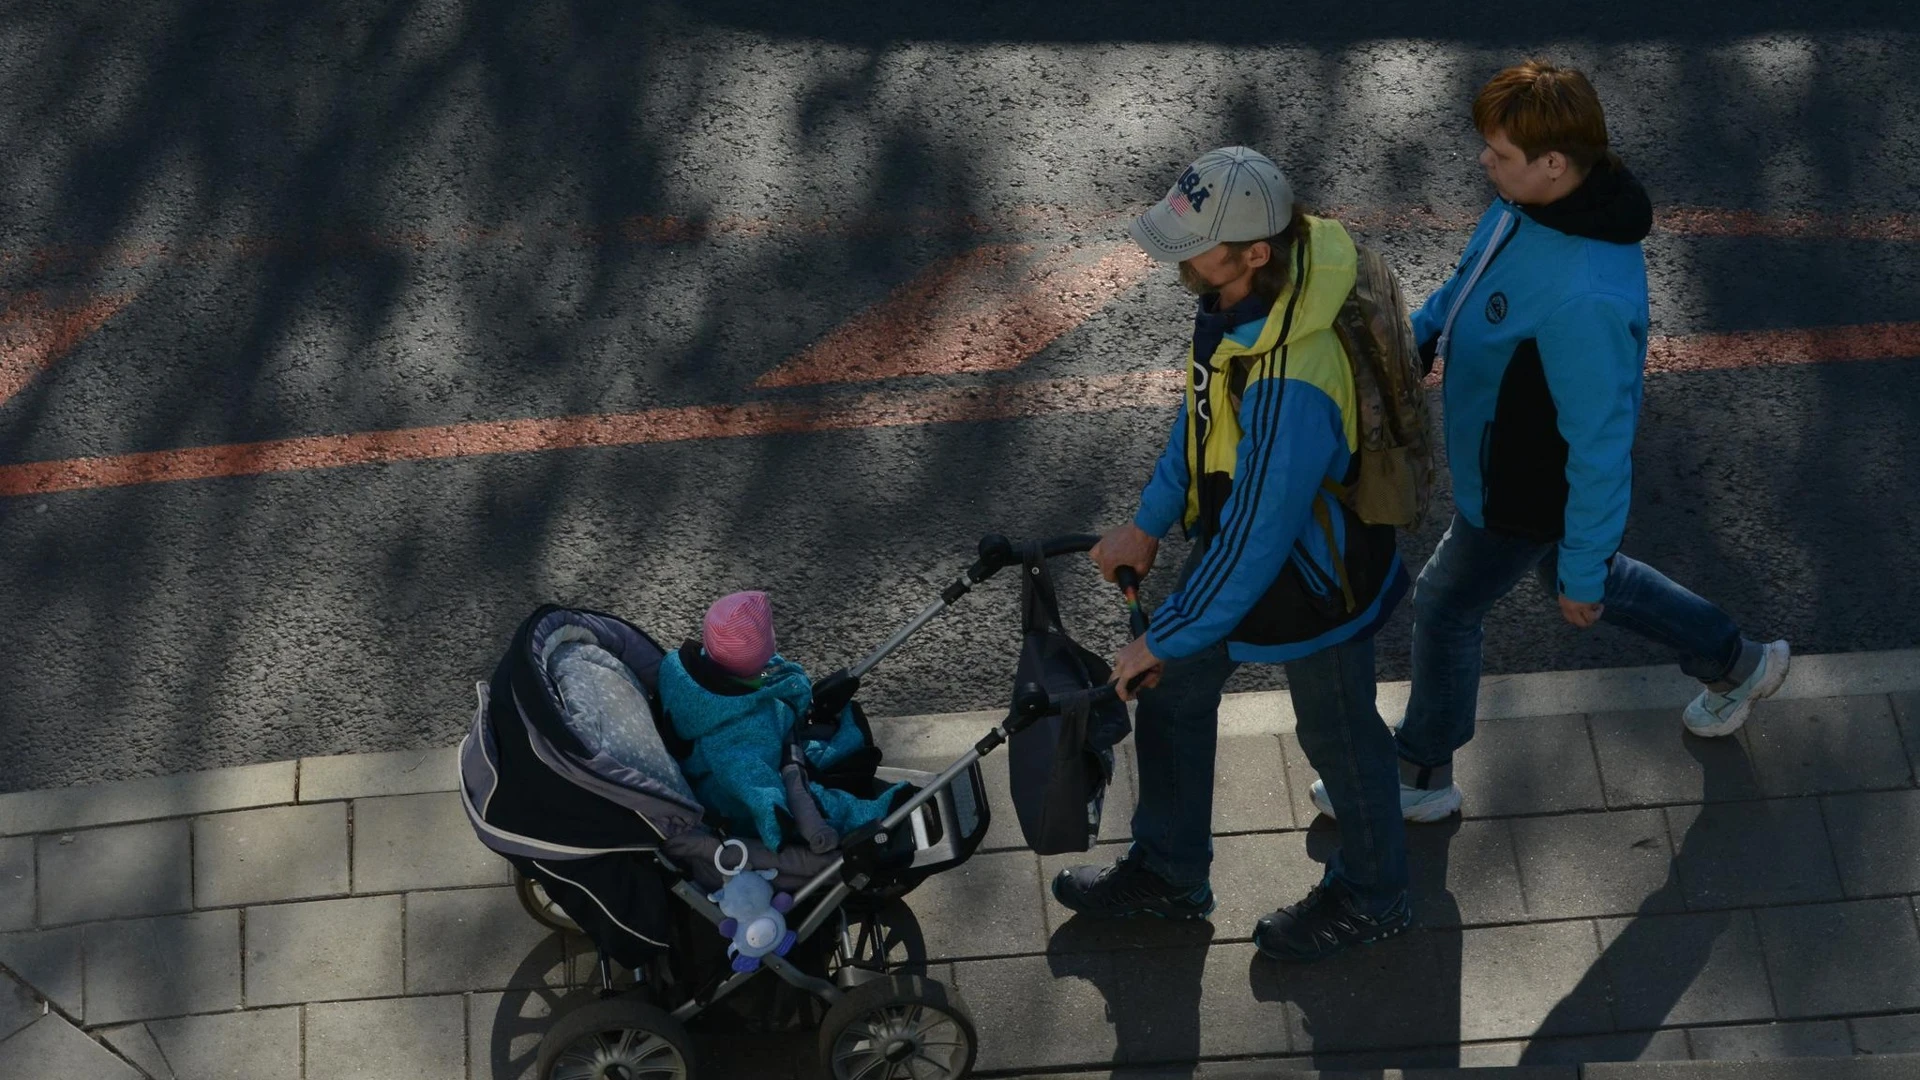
{"x": 1543, "y": 367}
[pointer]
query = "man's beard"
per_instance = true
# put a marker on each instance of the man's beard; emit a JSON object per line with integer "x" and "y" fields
{"x": 1191, "y": 280}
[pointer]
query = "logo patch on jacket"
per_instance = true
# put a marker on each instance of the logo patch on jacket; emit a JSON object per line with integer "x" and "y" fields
{"x": 1496, "y": 307}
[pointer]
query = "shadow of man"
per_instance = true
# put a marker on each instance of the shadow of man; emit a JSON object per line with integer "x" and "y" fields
{"x": 1396, "y": 1004}
{"x": 1150, "y": 974}
{"x": 1647, "y": 968}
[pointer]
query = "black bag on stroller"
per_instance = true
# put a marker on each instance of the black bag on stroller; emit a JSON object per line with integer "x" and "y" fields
{"x": 1059, "y": 766}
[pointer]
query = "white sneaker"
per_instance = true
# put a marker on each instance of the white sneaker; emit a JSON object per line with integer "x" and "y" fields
{"x": 1712, "y": 715}
{"x": 1416, "y": 804}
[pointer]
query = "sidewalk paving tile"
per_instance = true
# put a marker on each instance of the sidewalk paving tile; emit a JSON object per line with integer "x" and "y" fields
{"x": 1861, "y": 956}
{"x": 1817, "y": 746}
{"x": 1906, "y": 710}
{"x": 1667, "y": 1045}
{"x": 1761, "y": 1042}
{"x": 504, "y": 1031}
{"x": 1685, "y": 969}
{"x": 420, "y": 1038}
{"x": 115, "y": 873}
{"x": 1531, "y": 980}
{"x": 1853, "y": 1068}
{"x": 1250, "y": 786}
{"x": 167, "y": 966}
{"x": 990, "y": 906}
{"x": 16, "y": 883}
{"x": 50, "y": 1047}
{"x": 363, "y": 776}
{"x": 1338, "y": 1004}
{"x": 1463, "y": 873}
{"x": 1049, "y": 1012}
{"x": 1123, "y": 793}
{"x": 1898, "y": 1034}
{"x": 51, "y": 962}
{"x": 1582, "y": 865}
{"x": 1256, "y": 873}
{"x": 1253, "y": 1007}
{"x": 182, "y": 795}
{"x": 407, "y": 842}
{"x": 1648, "y": 759}
{"x": 259, "y": 1044}
{"x": 270, "y": 854}
{"x": 1540, "y": 765}
{"x": 478, "y": 939}
{"x": 135, "y": 1043}
{"x": 1750, "y": 853}
{"x": 19, "y": 1006}
{"x": 324, "y": 950}
{"x": 1876, "y": 841}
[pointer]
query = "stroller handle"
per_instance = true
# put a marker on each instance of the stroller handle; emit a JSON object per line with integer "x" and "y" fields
{"x": 995, "y": 553}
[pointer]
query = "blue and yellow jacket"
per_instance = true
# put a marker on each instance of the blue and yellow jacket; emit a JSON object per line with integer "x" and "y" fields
{"x": 1269, "y": 421}
{"x": 1543, "y": 370}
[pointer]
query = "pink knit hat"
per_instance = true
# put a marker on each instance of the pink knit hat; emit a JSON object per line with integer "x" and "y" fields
{"x": 738, "y": 633}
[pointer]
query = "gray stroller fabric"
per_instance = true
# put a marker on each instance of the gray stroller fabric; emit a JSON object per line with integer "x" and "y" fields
{"x": 605, "y": 707}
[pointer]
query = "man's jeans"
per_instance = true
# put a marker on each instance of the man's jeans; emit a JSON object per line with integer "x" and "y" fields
{"x": 1472, "y": 569}
{"x": 1176, "y": 729}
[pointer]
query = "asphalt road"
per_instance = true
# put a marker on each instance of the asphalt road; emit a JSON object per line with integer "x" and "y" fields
{"x": 384, "y": 217}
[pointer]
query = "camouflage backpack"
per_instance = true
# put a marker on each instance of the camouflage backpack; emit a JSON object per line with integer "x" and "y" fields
{"x": 1396, "y": 442}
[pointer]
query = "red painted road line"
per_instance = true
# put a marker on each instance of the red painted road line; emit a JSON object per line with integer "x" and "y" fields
{"x": 1707, "y": 222}
{"x": 965, "y": 316}
{"x": 880, "y": 409}
{"x": 1768, "y": 348}
{"x": 34, "y": 334}
{"x": 898, "y": 408}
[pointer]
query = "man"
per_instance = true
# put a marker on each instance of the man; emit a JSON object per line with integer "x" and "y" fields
{"x": 1281, "y": 570}
{"x": 1543, "y": 333}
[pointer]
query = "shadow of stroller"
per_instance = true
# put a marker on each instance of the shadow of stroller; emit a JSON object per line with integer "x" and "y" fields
{"x": 1649, "y": 966}
{"x": 1152, "y": 987}
{"x": 521, "y": 1017}
{"x": 1395, "y": 1004}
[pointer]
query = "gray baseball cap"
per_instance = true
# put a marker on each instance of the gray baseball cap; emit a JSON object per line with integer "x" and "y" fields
{"x": 1232, "y": 194}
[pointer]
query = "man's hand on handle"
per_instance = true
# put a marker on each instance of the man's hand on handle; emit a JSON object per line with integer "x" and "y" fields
{"x": 1128, "y": 545}
{"x": 1134, "y": 661}
{"x": 1579, "y": 614}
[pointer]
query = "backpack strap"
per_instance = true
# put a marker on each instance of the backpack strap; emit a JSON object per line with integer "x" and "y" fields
{"x": 1325, "y": 518}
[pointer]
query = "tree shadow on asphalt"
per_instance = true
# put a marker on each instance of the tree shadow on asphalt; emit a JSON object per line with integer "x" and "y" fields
{"x": 1481, "y": 22}
{"x": 389, "y": 215}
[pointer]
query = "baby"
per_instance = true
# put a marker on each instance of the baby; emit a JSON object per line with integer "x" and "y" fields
{"x": 736, "y": 700}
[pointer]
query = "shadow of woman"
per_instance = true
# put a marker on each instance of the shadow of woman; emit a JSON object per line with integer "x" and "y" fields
{"x": 1650, "y": 965}
{"x": 1150, "y": 974}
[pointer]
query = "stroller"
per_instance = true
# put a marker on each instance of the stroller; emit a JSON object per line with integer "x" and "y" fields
{"x": 627, "y": 857}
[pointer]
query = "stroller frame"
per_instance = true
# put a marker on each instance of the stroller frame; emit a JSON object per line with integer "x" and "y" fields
{"x": 862, "y": 869}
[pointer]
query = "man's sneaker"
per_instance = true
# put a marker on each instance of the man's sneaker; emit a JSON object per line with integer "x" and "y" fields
{"x": 1712, "y": 715}
{"x": 1326, "y": 922}
{"x": 1128, "y": 888}
{"x": 1416, "y": 804}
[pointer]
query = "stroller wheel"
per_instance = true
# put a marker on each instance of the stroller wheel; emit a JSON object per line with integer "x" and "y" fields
{"x": 533, "y": 897}
{"x": 902, "y": 1027}
{"x": 619, "y": 1039}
